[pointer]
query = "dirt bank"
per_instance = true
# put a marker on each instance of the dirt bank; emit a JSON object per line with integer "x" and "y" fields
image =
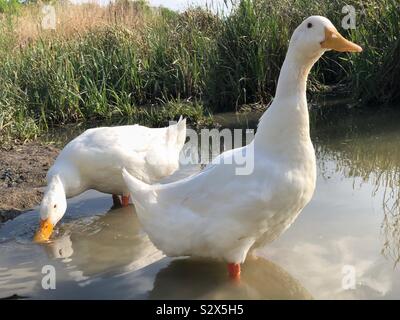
{"x": 23, "y": 171}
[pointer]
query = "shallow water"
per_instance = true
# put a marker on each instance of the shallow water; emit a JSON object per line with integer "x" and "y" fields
{"x": 351, "y": 226}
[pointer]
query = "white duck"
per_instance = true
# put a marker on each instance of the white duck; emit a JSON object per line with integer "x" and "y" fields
{"x": 219, "y": 214}
{"x": 94, "y": 160}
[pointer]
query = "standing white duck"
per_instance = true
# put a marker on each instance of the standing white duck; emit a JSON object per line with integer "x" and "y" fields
{"x": 95, "y": 158}
{"x": 219, "y": 214}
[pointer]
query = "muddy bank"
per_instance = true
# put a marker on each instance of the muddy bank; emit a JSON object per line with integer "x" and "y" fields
{"x": 23, "y": 171}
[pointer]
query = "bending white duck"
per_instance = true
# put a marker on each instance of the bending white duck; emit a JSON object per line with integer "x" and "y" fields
{"x": 219, "y": 214}
{"x": 95, "y": 158}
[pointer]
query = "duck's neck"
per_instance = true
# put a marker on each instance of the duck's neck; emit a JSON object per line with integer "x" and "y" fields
{"x": 292, "y": 79}
{"x": 69, "y": 179}
{"x": 286, "y": 122}
{"x": 54, "y": 196}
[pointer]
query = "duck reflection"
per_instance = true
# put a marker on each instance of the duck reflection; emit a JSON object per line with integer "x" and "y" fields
{"x": 100, "y": 244}
{"x": 116, "y": 241}
{"x": 198, "y": 279}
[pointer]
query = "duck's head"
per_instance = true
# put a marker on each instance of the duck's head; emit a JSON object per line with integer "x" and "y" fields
{"x": 52, "y": 209}
{"x": 317, "y": 34}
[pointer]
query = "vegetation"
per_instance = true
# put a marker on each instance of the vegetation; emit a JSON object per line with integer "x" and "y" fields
{"x": 132, "y": 62}
{"x": 9, "y": 6}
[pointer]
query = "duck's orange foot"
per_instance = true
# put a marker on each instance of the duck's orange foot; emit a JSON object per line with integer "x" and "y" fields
{"x": 234, "y": 271}
{"x": 125, "y": 201}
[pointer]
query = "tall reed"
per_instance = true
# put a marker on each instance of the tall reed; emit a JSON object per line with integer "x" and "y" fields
{"x": 119, "y": 62}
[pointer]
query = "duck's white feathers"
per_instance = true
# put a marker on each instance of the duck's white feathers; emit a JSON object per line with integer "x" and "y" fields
{"x": 219, "y": 214}
{"x": 94, "y": 159}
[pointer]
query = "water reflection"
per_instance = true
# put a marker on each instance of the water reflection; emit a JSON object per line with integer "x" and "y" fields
{"x": 109, "y": 256}
{"x": 19, "y": 277}
{"x": 194, "y": 279}
{"x": 116, "y": 241}
{"x": 102, "y": 253}
{"x": 369, "y": 152}
{"x": 111, "y": 241}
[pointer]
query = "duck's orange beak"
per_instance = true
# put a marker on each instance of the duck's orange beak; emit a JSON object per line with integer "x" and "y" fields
{"x": 44, "y": 232}
{"x": 335, "y": 41}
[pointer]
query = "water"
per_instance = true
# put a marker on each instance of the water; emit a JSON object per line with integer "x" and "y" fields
{"x": 349, "y": 231}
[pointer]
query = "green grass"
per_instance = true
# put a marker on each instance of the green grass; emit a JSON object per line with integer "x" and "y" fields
{"x": 194, "y": 63}
{"x": 9, "y": 6}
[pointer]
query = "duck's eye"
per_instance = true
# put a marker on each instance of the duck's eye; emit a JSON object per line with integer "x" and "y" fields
{"x": 55, "y": 206}
{"x": 309, "y": 25}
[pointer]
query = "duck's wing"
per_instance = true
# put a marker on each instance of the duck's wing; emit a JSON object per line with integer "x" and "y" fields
{"x": 216, "y": 182}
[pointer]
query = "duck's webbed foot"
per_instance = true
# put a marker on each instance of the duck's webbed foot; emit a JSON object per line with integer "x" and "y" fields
{"x": 234, "y": 271}
{"x": 125, "y": 200}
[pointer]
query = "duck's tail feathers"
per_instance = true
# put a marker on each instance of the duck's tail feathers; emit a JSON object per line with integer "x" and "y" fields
{"x": 176, "y": 134}
{"x": 181, "y": 137}
{"x": 141, "y": 192}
